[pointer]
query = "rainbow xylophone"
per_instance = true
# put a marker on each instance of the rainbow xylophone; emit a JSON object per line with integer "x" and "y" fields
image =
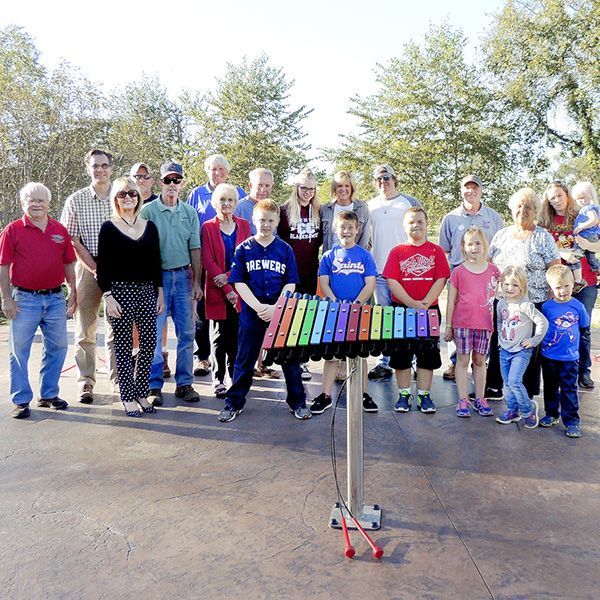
{"x": 306, "y": 327}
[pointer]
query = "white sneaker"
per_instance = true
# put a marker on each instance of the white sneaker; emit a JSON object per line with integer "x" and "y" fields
{"x": 306, "y": 375}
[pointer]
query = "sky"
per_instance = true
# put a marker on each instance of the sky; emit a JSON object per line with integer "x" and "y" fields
{"x": 328, "y": 47}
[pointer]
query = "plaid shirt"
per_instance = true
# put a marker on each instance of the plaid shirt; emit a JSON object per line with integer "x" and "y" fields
{"x": 83, "y": 214}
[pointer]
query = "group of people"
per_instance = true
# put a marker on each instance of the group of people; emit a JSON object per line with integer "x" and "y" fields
{"x": 217, "y": 263}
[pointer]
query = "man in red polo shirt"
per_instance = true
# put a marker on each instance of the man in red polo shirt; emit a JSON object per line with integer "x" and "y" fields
{"x": 36, "y": 256}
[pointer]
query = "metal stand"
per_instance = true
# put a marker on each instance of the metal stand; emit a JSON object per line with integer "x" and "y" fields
{"x": 369, "y": 516}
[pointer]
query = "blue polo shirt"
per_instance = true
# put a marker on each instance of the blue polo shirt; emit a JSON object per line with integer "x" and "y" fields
{"x": 200, "y": 198}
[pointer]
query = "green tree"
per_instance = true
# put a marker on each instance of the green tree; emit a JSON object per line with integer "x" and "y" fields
{"x": 248, "y": 119}
{"x": 434, "y": 119}
{"x": 544, "y": 55}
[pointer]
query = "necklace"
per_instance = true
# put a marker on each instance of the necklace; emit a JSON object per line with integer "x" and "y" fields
{"x": 131, "y": 225}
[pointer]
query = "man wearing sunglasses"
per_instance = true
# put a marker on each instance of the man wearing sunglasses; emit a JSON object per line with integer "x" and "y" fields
{"x": 387, "y": 231}
{"x": 177, "y": 224}
{"x": 140, "y": 173}
{"x": 83, "y": 214}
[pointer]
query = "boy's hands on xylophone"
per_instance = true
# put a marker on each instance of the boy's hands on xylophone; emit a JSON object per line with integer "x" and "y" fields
{"x": 265, "y": 311}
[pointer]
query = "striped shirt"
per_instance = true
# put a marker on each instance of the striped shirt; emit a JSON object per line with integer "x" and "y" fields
{"x": 83, "y": 214}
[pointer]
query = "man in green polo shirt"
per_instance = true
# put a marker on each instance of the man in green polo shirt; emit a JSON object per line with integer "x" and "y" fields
{"x": 177, "y": 224}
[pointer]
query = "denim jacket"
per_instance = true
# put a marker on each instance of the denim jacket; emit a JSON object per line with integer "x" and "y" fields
{"x": 362, "y": 212}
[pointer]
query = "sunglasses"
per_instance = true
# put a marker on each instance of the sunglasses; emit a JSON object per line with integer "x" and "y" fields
{"x": 131, "y": 193}
{"x": 144, "y": 177}
{"x": 384, "y": 178}
{"x": 175, "y": 180}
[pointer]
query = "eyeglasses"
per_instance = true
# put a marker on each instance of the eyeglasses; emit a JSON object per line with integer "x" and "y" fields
{"x": 123, "y": 194}
{"x": 383, "y": 178}
{"x": 103, "y": 166}
{"x": 144, "y": 177}
{"x": 175, "y": 180}
{"x": 305, "y": 189}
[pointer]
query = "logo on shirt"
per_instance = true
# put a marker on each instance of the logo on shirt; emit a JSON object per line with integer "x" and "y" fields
{"x": 564, "y": 327}
{"x": 266, "y": 264}
{"x": 509, "y": 324}
{"x": 417, "y": 265}
{"x": 57, "y": 238}
{"x": 305, "y": 230}
{"x": 346, "y": 268}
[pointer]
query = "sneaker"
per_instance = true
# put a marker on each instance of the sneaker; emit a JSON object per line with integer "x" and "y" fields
{"x": 302, "y": 413}
{"x": 483, "y": 408}
{"x": 229, "y": 414}
{"x": 201, "y": 368}
{"x": 320, "y": 404}
{"x": 425, "y": 403}
{"x": 155, "y": 397}
{"x": 341, "y": 373}
{"x": 403, "y": 403}
{"x": 379, "y": 372}
{"x": 21, "y": 411}
{"x": 56, "y": 403}
{"x": 369, "y": 404}
{"x": 508, "y": 416}
{"x": 306, "y": 375}
{"x": 463, "y": 409}
{"x": 532, "y": 421}
{"x": 573, "y": 431}
{"x": 586, "y": 382}
{"x": 450, "y": 373}
{"x": 266, "y": 372}
{"x": 166, "y": 369}
{"x": 491, "y": 394}
{"x": 86, "y": 396}
{"x": 220, "y": 391}
{"x": 548, "y": 421}
{"x": 187, "y": 393}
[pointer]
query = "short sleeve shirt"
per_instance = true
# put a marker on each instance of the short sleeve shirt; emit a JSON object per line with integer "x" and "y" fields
{"x": 417, "y": 268}
{"x": 584, "y": 214}
{"x": 347, "y": 269}
{"x": 565, "y": 319}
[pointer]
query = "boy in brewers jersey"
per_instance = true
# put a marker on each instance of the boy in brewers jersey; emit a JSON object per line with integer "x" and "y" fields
{"x": 263, "y": 268}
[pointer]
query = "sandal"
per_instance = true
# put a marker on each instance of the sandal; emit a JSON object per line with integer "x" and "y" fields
{"x": 145, "y": 405}
{"x": 131, "y": 412}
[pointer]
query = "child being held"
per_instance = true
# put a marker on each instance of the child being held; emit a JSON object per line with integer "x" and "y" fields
{"x": 587, "y": 225}
{"x": 347, "y": 272}
{"x": 517, "y": 317}
{"x": 560, "y": 351}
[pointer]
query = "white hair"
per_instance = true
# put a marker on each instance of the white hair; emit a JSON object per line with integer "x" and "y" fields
{"x": 34, "y": 189}
{"x": 216, "y": 159}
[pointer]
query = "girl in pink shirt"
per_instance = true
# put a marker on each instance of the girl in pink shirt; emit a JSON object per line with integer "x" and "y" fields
{"x": 469, "y": 317}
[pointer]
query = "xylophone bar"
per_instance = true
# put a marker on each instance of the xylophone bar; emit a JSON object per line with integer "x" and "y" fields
{"x": 305, "y": 327}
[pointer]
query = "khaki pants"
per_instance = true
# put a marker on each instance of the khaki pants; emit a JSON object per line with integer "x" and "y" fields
{"x": 89, "y": 297}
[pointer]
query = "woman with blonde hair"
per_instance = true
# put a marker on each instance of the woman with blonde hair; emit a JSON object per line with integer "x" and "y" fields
{"x": 129, "y": 274}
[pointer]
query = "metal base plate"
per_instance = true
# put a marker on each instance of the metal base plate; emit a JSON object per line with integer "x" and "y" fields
{"x": 369, "y": 517}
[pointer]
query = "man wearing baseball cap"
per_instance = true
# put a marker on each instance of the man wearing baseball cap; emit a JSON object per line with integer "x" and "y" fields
{"x": 177, "y": 224}
{"x": 140, "y": 172}
{"x": 471, "y": 213}
{"x": 387, "y": 231}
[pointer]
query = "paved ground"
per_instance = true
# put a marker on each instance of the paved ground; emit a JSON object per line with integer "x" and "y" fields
{"x": 176, "y": 505}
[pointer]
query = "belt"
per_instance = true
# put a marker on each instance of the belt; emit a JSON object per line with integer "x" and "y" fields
{"x": 178, "y": 268}
{"x": 41, "y": 292}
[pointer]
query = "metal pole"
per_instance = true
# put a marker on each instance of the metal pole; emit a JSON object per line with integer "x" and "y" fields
{"x": 355, "y": 438}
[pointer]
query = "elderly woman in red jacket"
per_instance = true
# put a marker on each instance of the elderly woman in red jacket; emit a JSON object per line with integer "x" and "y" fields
{"x": 220, "y": 238}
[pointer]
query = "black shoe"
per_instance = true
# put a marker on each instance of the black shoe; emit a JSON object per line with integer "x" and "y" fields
{"x": 320, "y": 404}
{"x": 586, "y": 382}
{"x": 489, "y": 394}
{"x": 155, "y": 397}
{"x": 56, "y": 403}
{"x": 380, "y": 372}
{"x": 368, "y": 404}
{"x": 187, "y": 393}
{"x": 21, "y": 411}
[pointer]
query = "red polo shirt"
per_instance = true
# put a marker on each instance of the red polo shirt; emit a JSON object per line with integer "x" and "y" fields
{"x": 37, "y": 257}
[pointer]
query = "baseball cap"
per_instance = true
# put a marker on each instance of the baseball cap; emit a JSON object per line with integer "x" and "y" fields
{"x": 171, "y": 168}
{"x": 383, "y": 170}
{"x": 471, "y": 179}
{"x": 137, "y": 167}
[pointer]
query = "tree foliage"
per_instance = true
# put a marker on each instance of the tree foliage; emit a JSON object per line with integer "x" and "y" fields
{"x": 544, "y": 55}
{"x": 248, "y": 119}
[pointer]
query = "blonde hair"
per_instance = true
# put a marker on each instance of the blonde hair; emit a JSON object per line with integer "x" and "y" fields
{"x": 338, "y": 178}
{"x": 559, "y": 274}
{"x": 547, "y": 212}
{"x": 587, "y": 189}
{"x": 516, "y": 274}
{"x": 221, "y": 190}
{"x": 292, "y": 205}
{"x": 474, "y": 232}
{"x": 119, "y": 184}
{"x": 266, "y": 205}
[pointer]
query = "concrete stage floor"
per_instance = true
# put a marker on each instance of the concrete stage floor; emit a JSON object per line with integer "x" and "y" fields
{"x": 94, "y": 504}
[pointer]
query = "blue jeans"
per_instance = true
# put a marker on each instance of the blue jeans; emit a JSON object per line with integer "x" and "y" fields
{"x": 587, "y": 296}
{"x": 177, "y": 289}
{"x": 49, "y": 313}
{"x": 513, "y": 366}
{"x": 560, "y": 389}
{"x": 383, "y": 297}
{"x": 250, "y": 337}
